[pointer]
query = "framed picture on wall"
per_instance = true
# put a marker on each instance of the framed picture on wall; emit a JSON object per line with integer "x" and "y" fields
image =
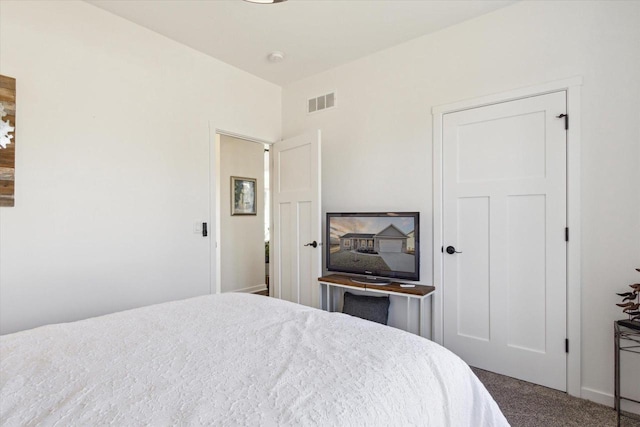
{"x": 7, "y": 140}
{"x": 243, "y": 196}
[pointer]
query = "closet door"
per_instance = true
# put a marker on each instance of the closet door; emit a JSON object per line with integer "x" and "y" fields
{"x": 504, "y": 209}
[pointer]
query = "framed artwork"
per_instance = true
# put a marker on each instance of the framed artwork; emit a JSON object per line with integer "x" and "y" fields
{"x": 7, "y": 140}
{"x": 243, "y": 196}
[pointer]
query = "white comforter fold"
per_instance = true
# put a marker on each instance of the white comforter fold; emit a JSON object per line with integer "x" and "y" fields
{"x": 235, "y": 359}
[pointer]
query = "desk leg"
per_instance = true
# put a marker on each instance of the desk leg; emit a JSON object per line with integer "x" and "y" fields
{"x": 420, "y": 315}
{"x": 324, "y": 299}
{"x": 408, "y": 313}
{"x": 328, "y": 297}
{"x": 616, "y": 387}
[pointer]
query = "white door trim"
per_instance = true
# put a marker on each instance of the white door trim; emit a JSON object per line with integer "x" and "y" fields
{"x": 572, "y": 86}
{"x": 215, "y": 280}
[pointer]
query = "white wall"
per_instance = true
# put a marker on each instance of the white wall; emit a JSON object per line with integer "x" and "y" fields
{"x": 242, "y": 236}
{"x": 384, "y": 117}
{"x": 112, "y": 161}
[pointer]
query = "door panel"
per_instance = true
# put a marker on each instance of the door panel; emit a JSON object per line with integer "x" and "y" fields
{"x": 307, "y": 254}
{"x": 283, "y": 255}
{"x": 526, "y": 272}
{"x": 295, "y": 170}
{"x": 473, "y": 269}
{"x": 297, "y": 219}
{"x": 504, "y": 201}
{"x": 511, "y": 156}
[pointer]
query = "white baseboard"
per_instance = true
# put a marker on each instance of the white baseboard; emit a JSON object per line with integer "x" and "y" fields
{"x": 607, "y": 399}
{"x": 252, "y": 289}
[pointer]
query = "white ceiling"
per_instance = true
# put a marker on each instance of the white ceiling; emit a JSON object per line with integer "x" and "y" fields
{"x": 315, "y": 35}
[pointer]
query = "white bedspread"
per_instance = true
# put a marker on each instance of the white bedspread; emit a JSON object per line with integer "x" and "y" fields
{"x": 235, "y": 359}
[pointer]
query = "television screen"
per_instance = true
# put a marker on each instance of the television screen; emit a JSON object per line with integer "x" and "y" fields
{"x": 383, "y": 244}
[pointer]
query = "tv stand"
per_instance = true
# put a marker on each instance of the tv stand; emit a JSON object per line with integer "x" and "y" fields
{"x": 371, "y": 280}
{"x": 418, "y": 292}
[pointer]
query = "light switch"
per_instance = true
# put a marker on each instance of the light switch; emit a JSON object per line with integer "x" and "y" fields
{"x": 197, "y": 228}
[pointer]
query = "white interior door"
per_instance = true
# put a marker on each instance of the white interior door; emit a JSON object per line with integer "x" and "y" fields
{"x": 504, "y": 210}
{"x": 297, "y": 264}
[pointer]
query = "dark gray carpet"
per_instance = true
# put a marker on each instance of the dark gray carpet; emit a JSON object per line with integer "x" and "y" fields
{"x": 530, "y": 405}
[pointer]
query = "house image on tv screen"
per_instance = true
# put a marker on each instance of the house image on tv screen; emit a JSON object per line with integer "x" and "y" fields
{"x": 391, "y": 239}
{"x": 361, "y": 244}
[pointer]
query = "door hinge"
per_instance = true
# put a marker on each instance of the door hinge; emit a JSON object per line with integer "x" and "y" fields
{"x": 566, "y": 234}
{"x": 566, "y": 120}
{"x": 566, "y": 345}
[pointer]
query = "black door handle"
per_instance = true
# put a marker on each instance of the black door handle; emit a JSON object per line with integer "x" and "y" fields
{"x": 313, "y": 244}
{"x": 451, "y": 250}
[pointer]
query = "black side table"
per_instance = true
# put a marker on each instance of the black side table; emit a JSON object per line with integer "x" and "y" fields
{"x": 626, "y": 338}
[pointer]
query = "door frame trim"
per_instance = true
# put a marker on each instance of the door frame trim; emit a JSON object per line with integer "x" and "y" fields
{"x": 572, "y": 87}
{"x": 215, "y": 279}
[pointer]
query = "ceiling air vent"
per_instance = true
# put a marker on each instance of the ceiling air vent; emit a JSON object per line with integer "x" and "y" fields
{"x": 322, "y": 102}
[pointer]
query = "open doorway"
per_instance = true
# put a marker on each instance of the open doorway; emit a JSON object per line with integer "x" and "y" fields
{"x": 243, "y": 214}
{"x": 294, "y": 201}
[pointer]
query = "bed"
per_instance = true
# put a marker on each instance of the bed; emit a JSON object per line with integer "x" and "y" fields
{"x": 235, "y": 359}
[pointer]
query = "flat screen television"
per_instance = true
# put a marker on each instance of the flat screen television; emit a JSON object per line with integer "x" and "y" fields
{"x": 374, "y": 244}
